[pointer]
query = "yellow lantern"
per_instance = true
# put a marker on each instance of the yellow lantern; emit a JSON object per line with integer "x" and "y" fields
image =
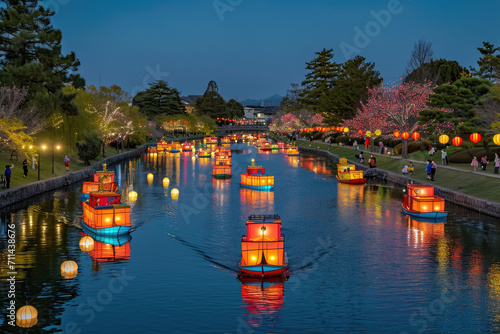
{"x": 132, "y": 196}
{"x": 87, "y": 244}
{"x": 69, "y": 269}
{"x": 496, "y": 139}
{"x": 443, "y": 139}
{"x": 166, "y": 181}
{"x": 378, "y": 132}
{"x": 368, "y": 133}
{"x": 346, "y": 130}
{"x": 150, "y": 177}
{"x": 174, "y": 193}
{"x": 26, "y": 316}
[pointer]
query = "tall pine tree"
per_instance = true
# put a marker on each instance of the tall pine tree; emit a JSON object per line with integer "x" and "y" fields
{"x": 159, "y": 99}
{"x": 211, "y": 104}
{"x": 489, "y": 63}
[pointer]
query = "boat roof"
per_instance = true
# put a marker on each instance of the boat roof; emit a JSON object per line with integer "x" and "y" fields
{"x": 259, "y": 219}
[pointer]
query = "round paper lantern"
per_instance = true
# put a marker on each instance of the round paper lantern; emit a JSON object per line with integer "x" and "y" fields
{"x": 346, "y": 130}
{"x": 457, "y": 141}
{"x": 396, "y": 133}
{"x": 378, "y": 132}
{"x": 475, "y": 138}
{"x": 368, "y": 133}
{"x": 405, "y": 135}
{"x": 166, "y": 181}
{"x": 415, "y": 135}
{"x": 69, "y": 269}
{"x": 174, "y": 193}
{"x": 132, "y": 196}
{"x": 496, "y": 139}
{"x": 443, "y": 139}
{"x": 26, "y": 316}
{"x": 150, "y": 177}
{"x": 86, "y": 244}
{"x": 360, "y": 132}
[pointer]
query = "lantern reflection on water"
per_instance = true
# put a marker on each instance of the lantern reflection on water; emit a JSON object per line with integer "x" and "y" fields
{"x": 259, "y": 200}
{"x": 262, "y": 298}
{"x": 348, "y": 196}
{"x": 423, "y": 232}
{"x": 26, "y": 316}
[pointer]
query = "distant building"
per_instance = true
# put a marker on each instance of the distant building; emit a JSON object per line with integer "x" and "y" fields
{"x": 189, "y": 101}
{"x": 260, "y": 114}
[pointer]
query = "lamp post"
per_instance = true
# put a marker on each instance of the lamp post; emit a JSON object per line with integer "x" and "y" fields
{"x": 53, "y": 148}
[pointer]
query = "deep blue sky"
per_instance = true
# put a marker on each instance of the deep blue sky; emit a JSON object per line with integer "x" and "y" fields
{"x": 261, "y": 46}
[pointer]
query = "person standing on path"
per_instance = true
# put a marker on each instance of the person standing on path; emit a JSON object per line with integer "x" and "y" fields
{"x": 484, "y": 162}
{"x": 381, "y": 147}
{"x": 66, "y": 162}
{"x": 25, "y": 168}
{"x": 372, "y": 162}
{"x": 496, "y": 163}
{"x": 428, "y": 169}
{"x": 443, "y": 157}
{"x": 8, "y": 174}
{"x": 474, "y": 163}
{"x": 433, "y": 169}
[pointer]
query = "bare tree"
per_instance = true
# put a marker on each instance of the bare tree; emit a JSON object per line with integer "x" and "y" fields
{"x": 12, "y": 106}
{"x": 421, "y": 54}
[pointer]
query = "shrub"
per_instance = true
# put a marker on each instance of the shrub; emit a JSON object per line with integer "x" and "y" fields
{"x": 412, "y": 147}
{"x": 344, "y": 140}
{"x": 466, "y": 155}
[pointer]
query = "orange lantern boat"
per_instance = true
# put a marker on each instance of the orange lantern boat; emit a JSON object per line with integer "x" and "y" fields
{"x": 204, "y": 154}
{"x": 108, "y": 183}
{"x": 262, "y": 248}
{"x": 266, "y": 146}
{"x": 222, "y": 167}
{"x": 175, "y": 147}
{"x": 419, "y": 201}
{"x": 162, "y": 146}
{"x": 347, "y": 173}
{"x": 292, "y": 151}
{"x": 104, "y": 215}
{"x": 256, "y": 178}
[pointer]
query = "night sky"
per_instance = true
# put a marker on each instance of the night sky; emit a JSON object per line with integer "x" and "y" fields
{"x": 256, "y": 48}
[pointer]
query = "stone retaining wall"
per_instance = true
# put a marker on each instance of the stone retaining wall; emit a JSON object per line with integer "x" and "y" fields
{"x": 463, "y": 200}
{"x": 19, "y": 194}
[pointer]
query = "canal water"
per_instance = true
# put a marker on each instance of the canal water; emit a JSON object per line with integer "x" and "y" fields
{"x": 357, "y": 263}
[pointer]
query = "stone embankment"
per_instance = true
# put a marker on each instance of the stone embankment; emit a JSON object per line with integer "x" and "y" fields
{"x": 459, "y": 199}
{"x": 22, "y": 193}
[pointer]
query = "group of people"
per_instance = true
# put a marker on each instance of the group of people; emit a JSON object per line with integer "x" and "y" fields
{"x": 8, "y": 170}
{"x": 430, "y": 169}
{"x": 484, "y": 162}
{"x": 372, "y": 161}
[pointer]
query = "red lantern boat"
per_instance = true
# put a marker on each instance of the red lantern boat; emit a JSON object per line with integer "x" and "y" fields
{"x": 420, "y": 202}
{"x": 262, "y": 248}
{"x": 108, "y": 183}
{"x": 347, "y": 173}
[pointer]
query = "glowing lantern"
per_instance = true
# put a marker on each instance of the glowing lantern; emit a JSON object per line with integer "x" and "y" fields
{"x": 368, "y": 133}
{"x": 475, "y": 138}
{"x": 443, "y": 139}
{"x": 457, "y": 141}
{"x": 496, "y": 139}
{"x": 396, "y": 133}
{"x": 69, "y": 269}
{"x": 346, "y": 130}
{"x": 378, "y": 132}
{"x": 26, "y": 316}
{"x": 360, "y": 132}
{"x": 415, "y": 135}
{"x": 405, "y": 135}
{"x": 132, "y": 196}
{"x": 166, "y": 181}
{"x": 174, "y": 193}
{"x": 171, "y": 122}
{"x": 86, "y": 244}
{"x": 150, "y": 177}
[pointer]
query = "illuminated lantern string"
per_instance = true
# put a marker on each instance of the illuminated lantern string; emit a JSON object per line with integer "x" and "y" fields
{"x": 405, "y": 135}
{"x": 415, "y": 135}
{"x": 396, "y": 133}
{"x": 475, "y": 138}
{"x": 26, "y": 316}
{"x": 496, "y": 139}
{"x": 443, "y": 139}
{"x": 457, "y": 141}
{"x": 346, "y": 130}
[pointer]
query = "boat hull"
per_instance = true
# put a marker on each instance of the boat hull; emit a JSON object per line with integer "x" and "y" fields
{"x": 425, "y": 215}
{"x": 263, "y": 271}
{"x": 265, "y": 188}
{"x": 114, "y": 231}
{"x": 222, "y": 176}
{"x": 354, "y": 181}
{"x": 293, "y": 154}
{"x": 174, "y": 151}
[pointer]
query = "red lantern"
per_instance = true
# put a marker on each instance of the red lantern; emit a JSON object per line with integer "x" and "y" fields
{"x": 185, "y": 122}
{"x": 457, "y": 141}
{"x": 475, "y": 138}
{"x": 405, "y": 135}
{"x": 341, "y": 129}
{"x": 396, "y": 133}
{"x": 171, "y": 122}
{"x": 360, "y": 132}
{"x": 415, "y": 135}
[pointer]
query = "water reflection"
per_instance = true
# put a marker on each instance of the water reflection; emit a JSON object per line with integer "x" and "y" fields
{"x": 424, "y": 233}
{"x": 263, "y": 301}
{"x": 258, "y": 200}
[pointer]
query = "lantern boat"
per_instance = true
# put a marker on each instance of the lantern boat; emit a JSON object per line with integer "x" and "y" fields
{"x": 204, "y": 154}
{"x": 419, "y": 201}
{"x": 292, "y": 151}
{"x": 162, "y": 146}
{"x": 347, "y": 173}
{"x": 187, "y": 147}
{"x": 104, "y": 215}
{"x": 262, "y": 248}
{"x": 108, "y": 183}
{"x": 281, "y": 145}
{"x": 266, "y": 146}
{"x": 256, "y": 178}
{"x": 175, "y": 147}
{"x": 221, "y": 171}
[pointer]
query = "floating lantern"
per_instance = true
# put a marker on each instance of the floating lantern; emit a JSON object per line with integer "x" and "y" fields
{"x": 360, "y": 132}
{"x": 496, "y": 139}
{"x": 86, "y": 244}
{"x": 368, "y": 133}
{"x": 405, "y": 135}
{"x": 150, "y": 177}
{"x": 174, "y": 193}
{"x": 166, "y": 181}
{"x": 396, "y": 133}
{"x": 415, "y": 135}
{"x": 378, "y": 132}
{"x": 132, "y": 196}
{"x": 475, "y": 138}
{"x": 457, "y": 141}
{"x": 26, "y": 316}
{"x": 443, "y": 139}
{"x": 69, "y": 269}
